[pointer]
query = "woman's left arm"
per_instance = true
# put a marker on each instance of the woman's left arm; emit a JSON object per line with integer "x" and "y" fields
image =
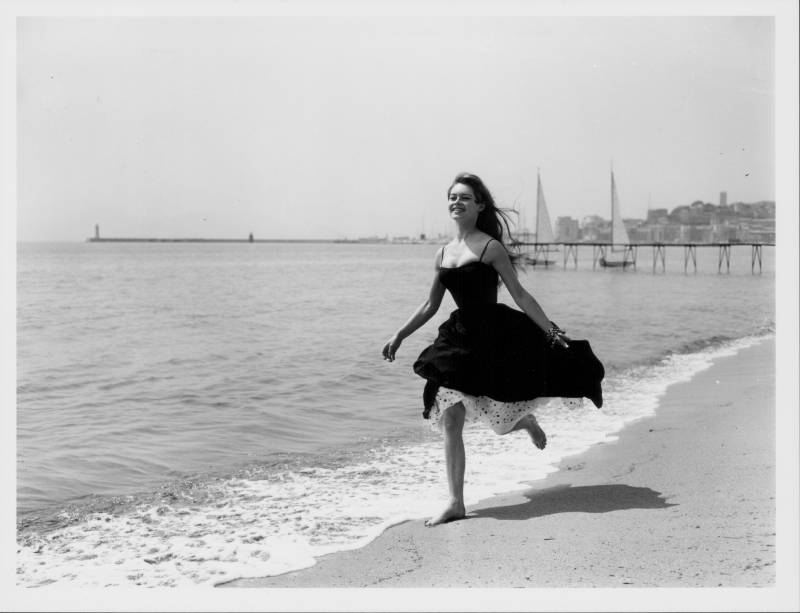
{"x": 497, "y": 256}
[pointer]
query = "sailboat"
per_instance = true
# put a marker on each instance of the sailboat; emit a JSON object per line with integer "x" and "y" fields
{"x": 544, "y": 231}
{"x": 619, "y": 235}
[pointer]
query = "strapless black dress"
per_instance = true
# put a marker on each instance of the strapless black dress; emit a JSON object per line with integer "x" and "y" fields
{"x": 490, "y": 349}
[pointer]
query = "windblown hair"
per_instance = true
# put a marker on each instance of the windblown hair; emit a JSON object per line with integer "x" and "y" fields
{"x": 492, "y": 220}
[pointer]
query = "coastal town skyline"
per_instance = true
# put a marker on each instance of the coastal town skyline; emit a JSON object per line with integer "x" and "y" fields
{"x": 698, "y": 222}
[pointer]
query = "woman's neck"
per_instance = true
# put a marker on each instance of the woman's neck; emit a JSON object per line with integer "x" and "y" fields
{"x": 465, "y": 230}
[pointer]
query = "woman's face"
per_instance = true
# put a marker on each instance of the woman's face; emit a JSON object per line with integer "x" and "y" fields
{"x": 461, "y": 203}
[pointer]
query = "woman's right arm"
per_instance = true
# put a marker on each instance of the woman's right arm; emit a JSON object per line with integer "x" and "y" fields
{"x": 423, "y": 313}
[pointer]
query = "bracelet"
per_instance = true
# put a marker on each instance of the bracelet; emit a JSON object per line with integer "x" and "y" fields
{"x": 552, "y": 335}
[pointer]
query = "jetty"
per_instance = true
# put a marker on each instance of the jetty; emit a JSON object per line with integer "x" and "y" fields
{"x": 250, "y": 239}
{"x": 210, "y": 240}
{"x": 630, "y": 253}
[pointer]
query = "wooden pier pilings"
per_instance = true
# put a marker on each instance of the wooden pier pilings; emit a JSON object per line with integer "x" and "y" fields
{"x": 659, "y": 253}
{"x": 689, "y": 251}
{"x": 629, "y": 253}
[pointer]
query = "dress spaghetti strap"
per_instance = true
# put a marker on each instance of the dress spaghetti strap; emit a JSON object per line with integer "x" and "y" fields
{"x": 480, "y": 259}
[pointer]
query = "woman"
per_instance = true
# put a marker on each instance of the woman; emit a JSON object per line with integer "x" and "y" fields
{"x": 489, "y": 363}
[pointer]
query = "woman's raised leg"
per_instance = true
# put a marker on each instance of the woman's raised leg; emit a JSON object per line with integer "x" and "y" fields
{"x": 533, "y": 428}
{"x": 453, "y": 427}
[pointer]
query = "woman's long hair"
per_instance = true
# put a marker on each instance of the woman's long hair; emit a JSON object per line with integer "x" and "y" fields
{"x": 492, "y": 220}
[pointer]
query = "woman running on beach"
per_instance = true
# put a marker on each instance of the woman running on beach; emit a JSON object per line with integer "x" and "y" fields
{"x": 489, "y": 362}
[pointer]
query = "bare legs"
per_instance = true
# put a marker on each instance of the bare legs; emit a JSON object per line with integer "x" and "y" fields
{"x": 453, "y": 426}
{"x": 534, "y": 430}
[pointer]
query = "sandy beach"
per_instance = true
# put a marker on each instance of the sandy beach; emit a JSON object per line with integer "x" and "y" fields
{"x": 685, "y": 498}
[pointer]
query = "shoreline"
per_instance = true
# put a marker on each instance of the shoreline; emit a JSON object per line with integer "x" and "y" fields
{"x": 683, "y": 498}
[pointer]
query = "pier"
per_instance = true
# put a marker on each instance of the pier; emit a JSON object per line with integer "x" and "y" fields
{"x": 629, "y": 254}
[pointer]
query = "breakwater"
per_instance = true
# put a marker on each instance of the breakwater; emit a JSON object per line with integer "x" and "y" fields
{"x": 209, "y": 240}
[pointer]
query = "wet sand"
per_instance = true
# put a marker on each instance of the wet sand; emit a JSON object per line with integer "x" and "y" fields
{"x": 685, "y": 498}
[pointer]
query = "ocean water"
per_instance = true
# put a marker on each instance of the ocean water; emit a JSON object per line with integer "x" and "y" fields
{"x": 192, "y": 413}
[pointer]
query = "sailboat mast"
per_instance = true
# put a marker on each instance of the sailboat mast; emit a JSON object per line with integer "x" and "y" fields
{"x": 538, "y": 203}
{"x": 619, "y": 234}
{"x": 612, "y": 206}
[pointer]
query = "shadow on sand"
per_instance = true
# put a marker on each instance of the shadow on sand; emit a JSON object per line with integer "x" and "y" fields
{"x": 582, "y": 499}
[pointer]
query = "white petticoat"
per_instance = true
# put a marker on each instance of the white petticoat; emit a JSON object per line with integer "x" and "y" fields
{"x": 499, "y": 416}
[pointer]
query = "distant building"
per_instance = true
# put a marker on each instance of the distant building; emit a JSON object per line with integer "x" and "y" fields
{"x": 721, "y": 216}
{"x": 764, "y": 210}
{"x": 595, "y": 228}
{"x": 698, "y": 234}
{"x": 757, "y": 230}
{"x": 604, "y": 235}
{"x": 724, "y": 233}
{"x": 655, "y": 216}
{"x": 567, "y": 229}
{"x": 671, "y": 233}
{"x": 698, "y": 222}
{"x": 653, "y": 233}
{"x": 640, "y": 234}
{"x": 680, "y": 214}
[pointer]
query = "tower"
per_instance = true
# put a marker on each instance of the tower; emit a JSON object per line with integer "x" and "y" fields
{"x": 96, "y": 231}
{"x": 723, "y": 198}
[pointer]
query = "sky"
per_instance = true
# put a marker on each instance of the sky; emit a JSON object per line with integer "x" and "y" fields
{"x": 339, "y": 127}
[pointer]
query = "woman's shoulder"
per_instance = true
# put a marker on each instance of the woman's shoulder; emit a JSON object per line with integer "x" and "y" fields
{"x": 479, "y": 240}
{"x": 495, "y": 251}
{"x": 439, "y": 257}
{"x": 491, "y": 244}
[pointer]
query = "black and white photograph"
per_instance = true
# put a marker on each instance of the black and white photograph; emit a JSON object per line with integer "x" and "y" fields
{"x": 387, "y": 296}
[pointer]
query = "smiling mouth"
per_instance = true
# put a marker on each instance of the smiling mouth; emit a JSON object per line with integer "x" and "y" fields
{"x": 459, "y": 209}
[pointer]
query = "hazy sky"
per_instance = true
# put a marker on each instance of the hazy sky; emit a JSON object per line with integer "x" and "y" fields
{"x": 333, "y": 127}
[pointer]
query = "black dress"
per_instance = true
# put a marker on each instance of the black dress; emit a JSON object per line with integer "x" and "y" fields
{"x": 498, "y": 354}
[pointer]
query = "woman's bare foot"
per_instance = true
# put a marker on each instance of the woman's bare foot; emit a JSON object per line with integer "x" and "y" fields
{"x": 538, "y": 436}
{"x": 454, "y": 511}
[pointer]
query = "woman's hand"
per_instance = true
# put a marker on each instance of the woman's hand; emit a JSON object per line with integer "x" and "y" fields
{"x": 555, "y": 336}
{"x": 390, "y": 348}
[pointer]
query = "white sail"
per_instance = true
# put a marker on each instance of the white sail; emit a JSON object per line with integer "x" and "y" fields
{"x": 619, "y": 235}
{"x": 544, "y": 231}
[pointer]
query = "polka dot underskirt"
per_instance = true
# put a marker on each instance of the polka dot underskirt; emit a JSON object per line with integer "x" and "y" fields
{"x": 499, "y": 416}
